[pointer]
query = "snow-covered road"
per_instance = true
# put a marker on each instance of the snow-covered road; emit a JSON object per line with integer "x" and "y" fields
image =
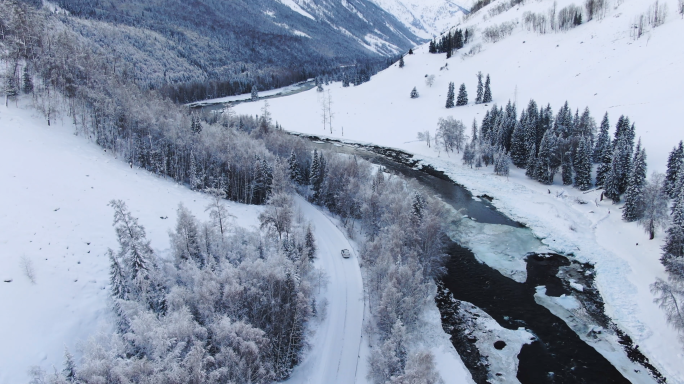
{"x": 334, "y": 354}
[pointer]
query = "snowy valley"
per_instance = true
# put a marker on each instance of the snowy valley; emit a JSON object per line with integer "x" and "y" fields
{"x": 147, "y": 240}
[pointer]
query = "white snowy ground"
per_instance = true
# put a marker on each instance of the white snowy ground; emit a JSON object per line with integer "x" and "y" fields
{"x": 54, "y": 191}
{"x": 597, "y": 65}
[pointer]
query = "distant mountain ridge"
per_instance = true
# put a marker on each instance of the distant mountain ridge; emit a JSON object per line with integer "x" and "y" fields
{"x": 425, "y": 18}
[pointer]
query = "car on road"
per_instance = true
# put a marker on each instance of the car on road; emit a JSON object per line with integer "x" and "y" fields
{"x": 346, "y": 254}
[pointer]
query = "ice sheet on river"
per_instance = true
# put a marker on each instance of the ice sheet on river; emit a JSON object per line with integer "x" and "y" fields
{"x": 501, "y": 247}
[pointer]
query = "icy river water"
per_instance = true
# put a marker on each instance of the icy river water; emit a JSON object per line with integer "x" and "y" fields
{"x": 557, "y": 354}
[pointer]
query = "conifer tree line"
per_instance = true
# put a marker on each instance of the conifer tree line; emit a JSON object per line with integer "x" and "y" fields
{"x": 451, "y": 41}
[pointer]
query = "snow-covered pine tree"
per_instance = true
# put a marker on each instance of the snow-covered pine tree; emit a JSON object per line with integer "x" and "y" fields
{"x": 135, "y": 251}
{"x": 117, "y": 280}
{"x": 673, "y": 249}
{"x": 634, "y": 196}
{"x": 11, "y": 89}
{"x": 69, "y": 371}
{"x": 27, "y": 82}
{"x": 566, "y": 168}
{"x": 519, "y": 146}
{"x": 414, "y": 93}
{"x": 487, "y": 97}
{"x": 655, "y": 208}
{"x": 345, "y": 80}
{"x": 462, "y": 96}
{"x": 542, "y": 173}
{"x": 310, "y": 243}
{"x": 315, "y": 175}
{"x": 417, "y": 207}
{"x": 480, "y": 89}
{"x": 502, "y": 163}
{"x": 474, "y": 137}
{"x": 674, "y": 163}
{"x": 611, "y": 184}
{"x": 531, "y": 163}
{"x": 602, "y": 141}
{"x": 401, "y": 62}
{"x": 450, "y": 96}
{"x": 195, "y": 125}
{"x": 583, "y": 165}
{"x": 293, "y": 166}
{"x": 255, "y": 93}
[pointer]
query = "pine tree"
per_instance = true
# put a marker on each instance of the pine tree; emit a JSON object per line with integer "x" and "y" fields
{"x": 293, "y": 166}
{"x": 566, "y": 168}
{"x": 501, "y": 163}
{"x": 69, "y": 371}
{"x": 487, "y": 97}
{"x": 655, "y": 208}
{"x": 401, "y": 62}
{"x": 634, "y": 196}
{"x": 315, "y": 175}
{"x": 414, "y": 93}
{"x": 612, "y": 182}
{"x": 602, "y": 141}
{"x": 255, "y": 93}
{"x": 474, "y": 135}
{"x": 432, "y": 48}
{"x": 480, "y": 90}
{"x": 673, "y": 249}
{"x": 27, "y": 82}
{"x": 11, "y": 89}
{"x": 583, "y": 165}
{"x": 674, "y": 162}
{"x": 345, "y": 80}
{"x": 462, "y": 96}
{"x": 542, "y": 173}
{"x": 450, "y": 96}
{"x": 195, "y": 125}
{"x": 417, "y": 208}
{"x": 519, "y": 146}
{"x": 117, "y": 280}
{"x": 531, "y": 164}
{"x": 310, "y": 243}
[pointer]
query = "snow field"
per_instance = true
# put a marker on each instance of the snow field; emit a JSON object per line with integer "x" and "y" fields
{"x": 597, "y": 65}
{"x": 55, "y": 190}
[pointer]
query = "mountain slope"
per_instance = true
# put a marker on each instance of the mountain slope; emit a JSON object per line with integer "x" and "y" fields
{"x": 425, "y": 18}
{"x": 225, "y": 39}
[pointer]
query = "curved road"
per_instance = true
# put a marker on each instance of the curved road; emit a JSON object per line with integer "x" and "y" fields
{"x": 333, "y": 357}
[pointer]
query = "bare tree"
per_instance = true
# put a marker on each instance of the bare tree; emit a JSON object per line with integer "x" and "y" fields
{"x": 430, "y": 80}
{"x": 217, "y": 211}
{"x": 670, "y": 298}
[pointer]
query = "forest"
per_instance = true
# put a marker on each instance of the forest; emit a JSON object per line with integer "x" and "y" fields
{"x": 228, "y": 305}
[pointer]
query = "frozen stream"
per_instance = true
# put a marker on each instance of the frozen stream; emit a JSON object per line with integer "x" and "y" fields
{"x": 498, "y": 266}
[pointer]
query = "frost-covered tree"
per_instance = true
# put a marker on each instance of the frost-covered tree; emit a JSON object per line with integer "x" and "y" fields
{"x": 487, "y": 97}
{"x": 315, "y": 175}
{"x": 310, "y": 243}
{"x": 134, "y": 248}
{"x": 611, "y": 184}
{"x": 602, "y": 141}
{"x": 531, "y": 164}
{"x": 674, "y": 163}
{"x": 480, "y": 89}
{"x": 27, "y": 81}
{"x": 583, "y": 165}
{"x": 117, "y": 280}
{"x": 670, "y": 298}
{"x": 420, "y": 369}
{"x": 11, "y": 88}
{"x": 295, "y": 173}
{"x": 414, "y": 93}
{"x": 255, "y": 93}
{"x": 673, "y": 249}
{"x": 217, "y": 211}
{"x": 69, "y": 371}
{"x": 450, "y": 134}
{"x": 634, "y": 196}
{"x": 543, "y": 172}
{"x": 401, "y": 62}
{"x": 655, "y": 205}
{"x": 519, "y": 145}
{"x": 566, "y": 168}
{"x": 185, "y": 241}
{"x": 462, "y": 96}
{"x": 450, "y": 96}
{"x": 501, "y": 163}
{"x": 430, "y": 80}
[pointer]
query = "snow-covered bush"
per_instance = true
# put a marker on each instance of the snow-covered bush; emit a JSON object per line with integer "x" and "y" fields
{"x": 495, "y": 33}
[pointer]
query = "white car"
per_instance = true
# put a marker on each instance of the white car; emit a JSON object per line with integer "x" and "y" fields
{"x": 346, "y": 254}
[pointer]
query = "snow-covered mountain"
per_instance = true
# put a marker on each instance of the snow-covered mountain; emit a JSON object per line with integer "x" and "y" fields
{"x": 425, "y": 18}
